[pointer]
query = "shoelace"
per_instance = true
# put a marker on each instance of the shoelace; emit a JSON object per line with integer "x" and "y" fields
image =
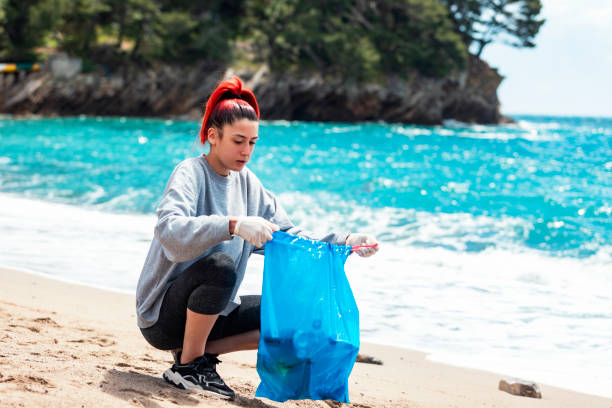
{"x": 212, "y": 359}
{"x": 207, "y": 364}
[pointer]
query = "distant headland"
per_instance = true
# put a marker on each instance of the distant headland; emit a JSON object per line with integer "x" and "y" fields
{"x": 415, "y": 62}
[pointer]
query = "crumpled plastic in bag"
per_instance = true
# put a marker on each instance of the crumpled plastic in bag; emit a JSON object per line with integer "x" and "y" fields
{"x": 309, "y": 336}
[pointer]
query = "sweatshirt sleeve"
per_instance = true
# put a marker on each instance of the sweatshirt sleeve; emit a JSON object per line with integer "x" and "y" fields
{"x": 182, "y": 234}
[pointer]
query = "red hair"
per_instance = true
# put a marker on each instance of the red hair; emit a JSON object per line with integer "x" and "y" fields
{"x": 228, "y": 102}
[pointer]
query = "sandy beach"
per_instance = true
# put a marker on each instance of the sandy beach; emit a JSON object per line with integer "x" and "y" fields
{"x": 66, "y": 345}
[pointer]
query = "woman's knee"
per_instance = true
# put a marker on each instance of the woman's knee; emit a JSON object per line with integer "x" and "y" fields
{"x": 222, "y": 268}
{"x": 216, "y": 269}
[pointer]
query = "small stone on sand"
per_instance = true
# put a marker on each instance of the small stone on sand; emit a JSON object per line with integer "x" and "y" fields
{"x": 523, "y": 388}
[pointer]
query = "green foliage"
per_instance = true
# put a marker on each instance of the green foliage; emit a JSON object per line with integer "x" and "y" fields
{"x": 78, "y": 22}
{"x": 294, "y": 34}
{"x": 355, "y": 39}
{"x": 23, "y": 26}
{"x": 350, "y": 39}
{"x": 480, "y": 22}
{"x": 186, "y": 36}
{"x": 4, "y": 44}
{"x": 416, "y": 33}
{"x": 175, "y": 31}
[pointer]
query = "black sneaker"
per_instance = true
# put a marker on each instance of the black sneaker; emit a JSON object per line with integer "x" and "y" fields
{"x": 200, "y": 374}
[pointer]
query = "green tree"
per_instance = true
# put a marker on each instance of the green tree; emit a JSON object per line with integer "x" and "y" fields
{"x": 79, "y": 22}
{"x": 357, "y": 39}
{"x": 296, "y": 34}
{"x": 4, "y": 44}
{"x": 176, "y": 30}
{"x": 141, "y": 18}
{"x": 415, "y": 34}
{"x": 480, "y": 22}
{"x": 24, "y": 25}
{"x": 195, "y": 32}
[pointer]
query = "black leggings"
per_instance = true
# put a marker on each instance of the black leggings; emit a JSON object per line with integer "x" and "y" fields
{"x": 204, "y": 287}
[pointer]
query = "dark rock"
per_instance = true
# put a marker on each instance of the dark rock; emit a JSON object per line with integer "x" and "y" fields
{"x": 180, "y": 91}
{"x": 520, "y": 387}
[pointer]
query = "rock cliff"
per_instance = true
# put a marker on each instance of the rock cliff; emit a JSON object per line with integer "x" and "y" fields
{"x": 171, "y": 91}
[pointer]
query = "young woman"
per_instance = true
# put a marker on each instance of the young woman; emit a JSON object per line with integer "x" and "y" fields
{"x": 214, "y": 213}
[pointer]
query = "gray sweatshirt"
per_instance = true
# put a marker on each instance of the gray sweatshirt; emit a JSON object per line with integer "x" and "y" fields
{"x": 193, "y": 222}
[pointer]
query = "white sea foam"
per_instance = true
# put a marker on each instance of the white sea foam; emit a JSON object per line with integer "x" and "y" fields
{"x": 78, "y": 244}
{"x": 412, "y": 130}
{"x": 454, "y": 123}
{"x": 281, "y": 122}
{"x": 403, "y": 227}
{"x": 507, "y": 309}
{"x": 529, "y": 125}
{"x": 535, "y": 132}
{"x": 342, "y": 129}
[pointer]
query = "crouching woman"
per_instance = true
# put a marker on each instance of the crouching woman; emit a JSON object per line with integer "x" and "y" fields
{"x": 213, "y": 214}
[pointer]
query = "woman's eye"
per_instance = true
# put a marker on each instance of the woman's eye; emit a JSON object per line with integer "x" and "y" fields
{"x": 252, "y": 143}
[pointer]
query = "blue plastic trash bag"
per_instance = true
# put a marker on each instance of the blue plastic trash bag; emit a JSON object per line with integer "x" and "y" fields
{"x": 309, "y": 335}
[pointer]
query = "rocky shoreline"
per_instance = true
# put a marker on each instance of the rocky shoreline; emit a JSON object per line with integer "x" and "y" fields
{"x": 60, "y": 89}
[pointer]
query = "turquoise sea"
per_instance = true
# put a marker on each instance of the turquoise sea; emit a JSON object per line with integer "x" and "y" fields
{"x": 496, "y": 241}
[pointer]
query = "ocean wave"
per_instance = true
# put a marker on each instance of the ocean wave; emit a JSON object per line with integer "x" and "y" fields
{"x": 80, "y": 244}
{"x": 460, "y": 231}
{"x": 512, "y": 172}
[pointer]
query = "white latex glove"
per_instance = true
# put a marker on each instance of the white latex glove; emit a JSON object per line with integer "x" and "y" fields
{"x": 255, "y": 230}
{"x": 363, "y": 239}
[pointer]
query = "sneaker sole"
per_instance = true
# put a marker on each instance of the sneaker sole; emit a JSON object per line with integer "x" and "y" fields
{"x": 178, "y": 381}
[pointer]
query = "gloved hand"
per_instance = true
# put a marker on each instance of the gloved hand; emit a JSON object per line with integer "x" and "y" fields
{"x": 363, "y": 239}
{"x": 255, "y": 230}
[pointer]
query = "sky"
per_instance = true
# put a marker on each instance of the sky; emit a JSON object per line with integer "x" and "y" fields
{"x": 569, "y": 72}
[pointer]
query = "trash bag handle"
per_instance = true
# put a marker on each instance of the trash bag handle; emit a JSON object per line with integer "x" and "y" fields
{"x": 357, "y": 247}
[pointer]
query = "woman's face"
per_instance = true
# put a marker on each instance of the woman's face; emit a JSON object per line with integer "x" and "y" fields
{"x": 234, "y": 149}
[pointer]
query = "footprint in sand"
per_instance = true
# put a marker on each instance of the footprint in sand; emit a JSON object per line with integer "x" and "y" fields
{"x": 149, "y": 359}
{"x": 98, "y": 340}
{"x": 29, "y": 383}
{"x": 140, "y": 369}
{"x": 39, "y": 381}
{"x": 103, "y": 341}
{"x": 144, "y": 394}
{"x": 46, "y": 321}
{"x": 100, "y": 354}
{"x": 136, "y": 402}
{"x": 31, "y": 328}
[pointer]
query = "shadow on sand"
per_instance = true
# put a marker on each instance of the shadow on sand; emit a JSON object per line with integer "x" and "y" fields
{"x": 149, "y": 391}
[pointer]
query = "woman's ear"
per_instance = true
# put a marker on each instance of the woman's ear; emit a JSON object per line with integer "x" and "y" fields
{"x": 211, "y": 136}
